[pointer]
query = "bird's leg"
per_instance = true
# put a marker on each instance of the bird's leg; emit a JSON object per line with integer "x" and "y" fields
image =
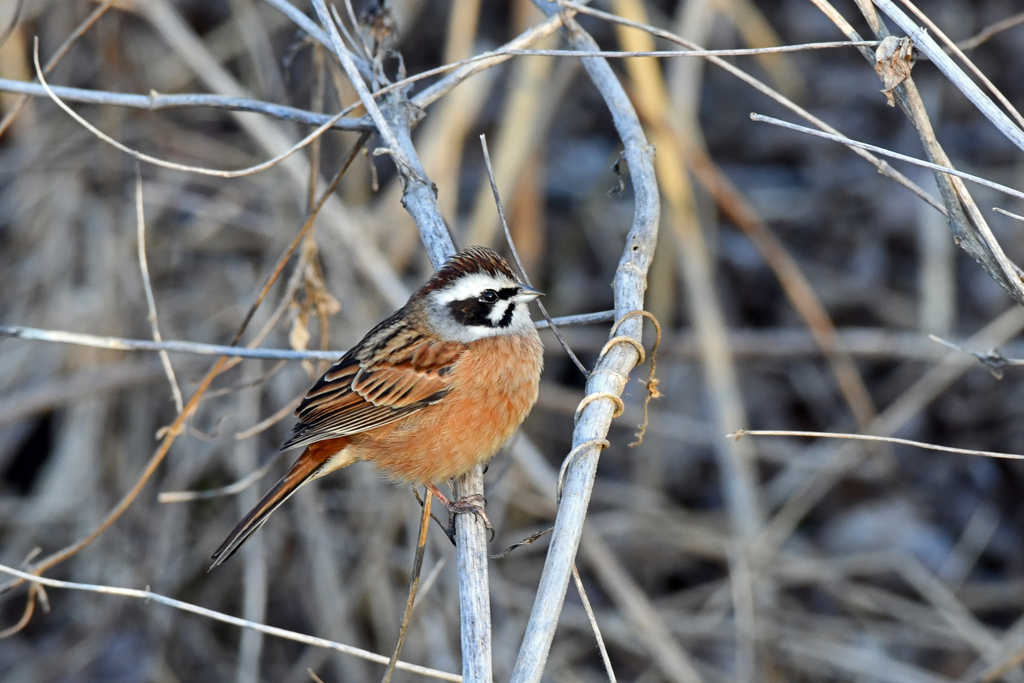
{"x": 473, "y": 504}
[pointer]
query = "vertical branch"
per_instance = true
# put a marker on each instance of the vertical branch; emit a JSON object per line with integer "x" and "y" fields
{"x": 420, "y": 199}
{"x": 474, "y": 587}
{"x": 610, "y": 374}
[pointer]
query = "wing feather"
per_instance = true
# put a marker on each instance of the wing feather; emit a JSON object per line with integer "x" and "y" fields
{"x": 394, "y": 372}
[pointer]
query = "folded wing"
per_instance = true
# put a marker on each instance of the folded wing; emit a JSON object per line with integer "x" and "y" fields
{"x": 395, "y": 372}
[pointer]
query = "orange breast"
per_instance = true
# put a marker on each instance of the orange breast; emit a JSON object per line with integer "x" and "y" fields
{"x": 494, "y": 387}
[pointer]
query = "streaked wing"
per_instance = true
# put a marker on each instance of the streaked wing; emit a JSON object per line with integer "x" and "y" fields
{"x": 392, "y": 373}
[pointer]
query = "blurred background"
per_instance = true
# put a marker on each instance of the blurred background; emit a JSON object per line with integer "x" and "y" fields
{"x": 881, "y": 564}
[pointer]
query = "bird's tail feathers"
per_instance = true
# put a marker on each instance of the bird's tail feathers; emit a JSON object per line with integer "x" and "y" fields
{"x": 306, "y": 468}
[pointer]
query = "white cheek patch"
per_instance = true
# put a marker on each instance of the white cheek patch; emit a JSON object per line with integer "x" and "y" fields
{"x": 499, "y": 312}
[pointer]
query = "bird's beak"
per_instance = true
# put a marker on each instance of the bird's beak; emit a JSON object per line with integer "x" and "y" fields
{"x": 527, "y": 294}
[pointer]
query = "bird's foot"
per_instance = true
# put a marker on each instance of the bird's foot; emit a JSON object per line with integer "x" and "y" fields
{"x": 469, "y": 504}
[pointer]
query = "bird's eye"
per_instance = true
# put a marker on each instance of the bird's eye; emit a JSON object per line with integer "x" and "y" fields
{"x": 489, "y": 296}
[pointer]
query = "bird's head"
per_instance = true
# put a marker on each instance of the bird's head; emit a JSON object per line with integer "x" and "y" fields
{"x": 476, "y": 295}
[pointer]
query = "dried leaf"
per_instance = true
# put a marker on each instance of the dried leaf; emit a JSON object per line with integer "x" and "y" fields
{"x": 894, "y": 59}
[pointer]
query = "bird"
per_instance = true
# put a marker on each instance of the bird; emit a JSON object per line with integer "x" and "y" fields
{"x": 426, "y": 395}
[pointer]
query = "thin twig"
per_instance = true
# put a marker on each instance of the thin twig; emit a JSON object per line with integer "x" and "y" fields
{"x": 301, "y": 20}
{"x": 349, "y": 65}
{"x": 414, "y": 582}
{"x": 994, "y": 360}
{"x": 155, "y": 101}
{"x": 870, "y": 437}
{"x": 165, "y": 360}
{"x": 627, "y": 54}
{"x": 150, "y": 596}
{"x": 199, "y": 349}
{"x": 170, "y": 164}
{"x": 593, "y": 623}
{"x": 884, "y": 152}
{"x": 578, "y": 320}
{"x": 992, "y": 29}
{"x": 1014, "y": 216}
{"x": 194, "y": 348}
{"x": 883, "y": 167}
{"x": 519, "y": 262}
{"x": 269, "y": 422}
{"x": 519, "y": 544}
{"x": 229, "y": 490}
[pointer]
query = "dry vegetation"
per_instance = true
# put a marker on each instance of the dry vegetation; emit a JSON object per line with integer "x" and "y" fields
{"x": 705, "y": 559}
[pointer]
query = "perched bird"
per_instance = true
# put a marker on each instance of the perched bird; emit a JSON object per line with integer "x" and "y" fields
{"x": 427, "y": 394}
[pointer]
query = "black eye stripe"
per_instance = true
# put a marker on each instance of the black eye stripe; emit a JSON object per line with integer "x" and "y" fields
{"x": 476, "y": 313}
{"x": 471, "y": 312}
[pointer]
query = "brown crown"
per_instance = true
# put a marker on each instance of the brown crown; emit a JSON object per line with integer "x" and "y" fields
{"x": 469, "y": 260}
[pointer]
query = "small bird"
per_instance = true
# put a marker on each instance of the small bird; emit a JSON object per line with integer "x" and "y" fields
{"x": 427, "y": 395}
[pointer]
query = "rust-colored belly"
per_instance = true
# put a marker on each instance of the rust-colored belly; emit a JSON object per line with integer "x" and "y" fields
{"x": 493, "y": 390}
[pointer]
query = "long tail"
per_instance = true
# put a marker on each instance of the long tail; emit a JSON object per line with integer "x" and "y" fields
{"x": 305, "y": 469}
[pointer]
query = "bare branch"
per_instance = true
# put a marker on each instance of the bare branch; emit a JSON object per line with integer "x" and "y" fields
{"x": 610, "y": 374}
{"x": 883, "y": 167}
{"x": 155, "y": 101}
{"x": 955, "y": 49}
{"x": 869, "y": 437}
{"x": 149, "y": 596}
{"x": 884, "y": 152}
{"x": 593, "y": 624}
{"x": 992, "y": 29}
{"x": 414, "y": 583}
{"x": 198, "y": 349}
{"x": 182, "y": 167}
{"x": 229, "y": 490}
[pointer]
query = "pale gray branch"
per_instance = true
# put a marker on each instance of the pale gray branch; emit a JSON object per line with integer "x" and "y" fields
{"x": 234, "y": 621}
{"x": 198, "y": 349}
{"x": 155, "y": 101}
{"x": 894, "y": 155}
{"x": 612, "y": 369}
